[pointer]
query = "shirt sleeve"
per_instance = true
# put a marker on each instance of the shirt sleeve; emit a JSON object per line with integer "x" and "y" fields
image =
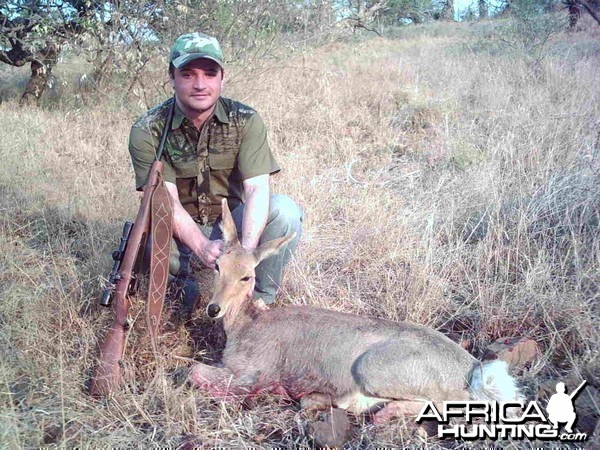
{"x": 142, "y": 148}
{"x": 255, "y": 157}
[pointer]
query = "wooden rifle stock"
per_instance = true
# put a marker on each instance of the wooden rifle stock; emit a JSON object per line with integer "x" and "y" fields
{"x": 107, "y": 375}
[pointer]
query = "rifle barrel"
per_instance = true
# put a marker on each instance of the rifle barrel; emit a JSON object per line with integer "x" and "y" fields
{"x": 576, "y": 391}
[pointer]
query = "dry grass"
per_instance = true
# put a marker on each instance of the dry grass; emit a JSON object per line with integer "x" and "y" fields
{"x": 442, "y": 184}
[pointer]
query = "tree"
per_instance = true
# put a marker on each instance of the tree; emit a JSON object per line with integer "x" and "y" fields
{"x": 483, "y": 9}
{"x": 415, "y": 11}
{"x": 575, "y": 7}
{"x": 364, "y": 12}
{"x": 34, "y": 31}
{"x": 447, "y": 10}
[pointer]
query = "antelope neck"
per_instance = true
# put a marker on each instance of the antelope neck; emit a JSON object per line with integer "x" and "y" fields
{"x": 239, "y": 315}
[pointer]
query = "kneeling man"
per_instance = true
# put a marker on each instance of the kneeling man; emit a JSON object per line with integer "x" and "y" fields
{"x": 216, "y": 148}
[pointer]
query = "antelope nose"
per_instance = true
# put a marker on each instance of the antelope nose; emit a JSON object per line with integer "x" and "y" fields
{"x": 213, "y": 310}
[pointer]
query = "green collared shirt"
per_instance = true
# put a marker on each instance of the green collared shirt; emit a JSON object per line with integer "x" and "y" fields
{"x": 208, "y": 164}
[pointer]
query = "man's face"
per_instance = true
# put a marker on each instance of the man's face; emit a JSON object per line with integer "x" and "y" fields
{"x": 198, "y": 85}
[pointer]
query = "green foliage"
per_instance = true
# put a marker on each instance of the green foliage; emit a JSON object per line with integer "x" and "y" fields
{"x": 528, "y": 30}
{"x": 244, "y": 29}
{"x": 466, "y": 155}
{"x": 28, "y": 26}
{"x": 417, "y": 11}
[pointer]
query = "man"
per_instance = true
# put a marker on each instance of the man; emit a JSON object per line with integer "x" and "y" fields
{"x": 216, "y": 148}
{"x": 560, "y": 408}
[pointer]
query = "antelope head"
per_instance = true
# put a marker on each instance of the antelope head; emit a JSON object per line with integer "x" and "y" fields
{"x": 235, "y": 268}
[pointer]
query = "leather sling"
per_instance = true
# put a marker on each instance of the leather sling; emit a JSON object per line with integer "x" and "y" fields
{"x": 161, "y": 232}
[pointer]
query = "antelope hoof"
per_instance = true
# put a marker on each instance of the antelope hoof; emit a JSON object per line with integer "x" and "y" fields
{"x": 316, "y": 402}
{"x": 334, "y": 431}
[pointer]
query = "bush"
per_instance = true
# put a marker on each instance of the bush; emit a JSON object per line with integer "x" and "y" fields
{"x": 528, "y": 30}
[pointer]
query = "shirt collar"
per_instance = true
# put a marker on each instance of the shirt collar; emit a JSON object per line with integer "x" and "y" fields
{"x": 177, "y": 117}
{"x": 220, "y": 113}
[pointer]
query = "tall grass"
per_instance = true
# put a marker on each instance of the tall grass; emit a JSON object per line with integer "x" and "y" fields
{"x": 442, "y": 184}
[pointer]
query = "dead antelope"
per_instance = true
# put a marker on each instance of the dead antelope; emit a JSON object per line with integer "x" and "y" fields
{"x": 358, "y": 363}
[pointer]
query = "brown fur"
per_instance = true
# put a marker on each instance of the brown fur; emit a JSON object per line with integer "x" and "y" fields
{"x": 359, "y": 362}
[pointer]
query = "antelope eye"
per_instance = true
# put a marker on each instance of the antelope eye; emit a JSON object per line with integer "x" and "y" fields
{"x": 216, "y": 267}
{"x": 245, "y": 279}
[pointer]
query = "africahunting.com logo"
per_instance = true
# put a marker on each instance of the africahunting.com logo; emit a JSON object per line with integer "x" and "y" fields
{"x": 516, "y": 420}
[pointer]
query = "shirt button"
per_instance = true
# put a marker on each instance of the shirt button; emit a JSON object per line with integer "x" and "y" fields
{"x": 204, "y": 166}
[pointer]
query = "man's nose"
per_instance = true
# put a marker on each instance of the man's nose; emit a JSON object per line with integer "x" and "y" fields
{"x": 199, "y": 83}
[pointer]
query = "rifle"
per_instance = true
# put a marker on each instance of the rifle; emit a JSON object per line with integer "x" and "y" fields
{"x": 154, "y": 219}
{"x": 576, "y": 391}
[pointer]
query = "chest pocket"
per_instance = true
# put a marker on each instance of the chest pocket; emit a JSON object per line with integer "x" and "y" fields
{"x": 223, "y": 180}
{"x": 221, "y": 161}
{"x": 182, "y": 156}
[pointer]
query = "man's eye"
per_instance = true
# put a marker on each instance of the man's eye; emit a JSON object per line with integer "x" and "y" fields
{"x": 245, "y": 279}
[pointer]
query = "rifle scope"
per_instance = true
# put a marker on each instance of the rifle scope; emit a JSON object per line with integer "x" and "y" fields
{"x": 115, "y": 275}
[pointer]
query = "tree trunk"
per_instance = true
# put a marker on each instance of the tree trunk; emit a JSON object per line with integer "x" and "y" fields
{"x": 574, "y": 13}
{"x": 483, "y": 9}
{"x": 41, "y": 69}
{"x": 590, "y": 9}
{"x": 448, "y": 11}
{"x": 361, "y": 9}
{"x": 365, "y": 15}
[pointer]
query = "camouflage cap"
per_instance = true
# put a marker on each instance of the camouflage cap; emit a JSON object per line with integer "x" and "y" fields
{"x": 189, "y": 47}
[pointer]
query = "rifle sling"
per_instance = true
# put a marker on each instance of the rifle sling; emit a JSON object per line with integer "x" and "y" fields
{"x": 161, "y": 231}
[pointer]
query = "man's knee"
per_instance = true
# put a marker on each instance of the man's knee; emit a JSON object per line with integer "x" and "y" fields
{"x": 285, "y": 214}
{"x": 179, "y": 259}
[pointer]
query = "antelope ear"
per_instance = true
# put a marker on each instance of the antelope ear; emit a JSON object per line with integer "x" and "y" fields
{"x": 270, "y": 248}
{"x": 228, "y": 225}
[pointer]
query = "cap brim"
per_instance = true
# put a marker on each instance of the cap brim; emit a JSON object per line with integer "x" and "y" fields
{"x": 182, "y": 60}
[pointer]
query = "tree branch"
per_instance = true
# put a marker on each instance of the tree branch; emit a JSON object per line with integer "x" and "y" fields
{"x": 16, "y": 56}
{"x": 589, "y": 9}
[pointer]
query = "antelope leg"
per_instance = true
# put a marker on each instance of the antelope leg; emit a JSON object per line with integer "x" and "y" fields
{"x": 217, "y": 381}
{"x": 398, "y": 408}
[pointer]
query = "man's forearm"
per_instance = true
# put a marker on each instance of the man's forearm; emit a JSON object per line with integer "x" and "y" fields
{"x": 256, "y": 213}
{"x": 186, "y": 230}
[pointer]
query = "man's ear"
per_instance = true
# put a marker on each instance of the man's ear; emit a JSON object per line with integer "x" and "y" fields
{"x": 270, "y": 248}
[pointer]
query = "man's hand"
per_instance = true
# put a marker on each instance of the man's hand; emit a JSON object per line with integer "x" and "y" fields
{"x": 210, "y": 252}
{"x": 186, "y": 230}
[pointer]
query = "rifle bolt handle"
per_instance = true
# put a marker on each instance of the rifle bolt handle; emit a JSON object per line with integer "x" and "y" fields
{"x": 106, "y": 299}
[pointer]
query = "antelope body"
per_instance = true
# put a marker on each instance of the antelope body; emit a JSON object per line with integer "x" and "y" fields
{"x": 356, "y": 362}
